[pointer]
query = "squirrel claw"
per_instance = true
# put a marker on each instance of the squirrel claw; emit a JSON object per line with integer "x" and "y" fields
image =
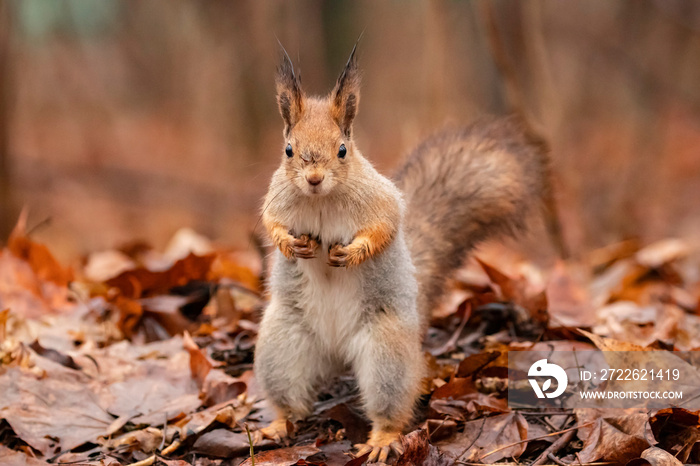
{"x": 380, "y": 446}
{"x": 304, "y": 247}
{"x": 378, "y": 454}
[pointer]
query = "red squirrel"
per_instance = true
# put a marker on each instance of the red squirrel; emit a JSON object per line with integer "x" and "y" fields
{"x": 361, "y": 260}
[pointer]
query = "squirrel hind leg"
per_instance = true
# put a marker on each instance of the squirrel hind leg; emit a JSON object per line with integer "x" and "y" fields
{"x": 389, "y": 367}
{"x": 288, "y": 364}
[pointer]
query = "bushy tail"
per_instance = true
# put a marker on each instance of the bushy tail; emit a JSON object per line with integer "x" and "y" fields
{"x": 464, "y": 185}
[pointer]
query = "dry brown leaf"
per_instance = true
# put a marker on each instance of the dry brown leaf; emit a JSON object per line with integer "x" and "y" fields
{"x": 24, "y": 293}
{"x": 62, "y": 408}
{"x": 677, "y": 431}
{"x": 226, "y": 266}
{"x": 199, "y": 363}
{"x": 222, "y": 443}
{"x": 10, "y": 457}
{"x": 38, "y": 256}
{"x": 609, "y": 344}
{"x": 474, "y": 363}
{"x": 662, "y": 252}
{"x": 103, "y": 265}
{"x": 568, "y": 301}
{"x": 518, "y": 291}
{"x": 619, "y": 438}
{"x": 282, "y": 456}
{"x": 220, "y": 387}
{"x": 491, "y": 439}
{"x": 146, "y": 440}
{"x": 604, "y": 257}
{"x": 419, "y": 452}
{"x": 653, "y": 456}
{"x": 356, "y": 426}
{"x": 459, "y": 399}
{"x": 141, "y": 282}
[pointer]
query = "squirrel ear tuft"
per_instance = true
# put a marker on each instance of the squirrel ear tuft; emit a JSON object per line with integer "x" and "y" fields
{"x": 290, "y": 96}
{"x": 346, "y": 95}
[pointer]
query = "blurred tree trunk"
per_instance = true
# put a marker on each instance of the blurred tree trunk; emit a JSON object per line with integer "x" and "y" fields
{"x": 6, "y": 205}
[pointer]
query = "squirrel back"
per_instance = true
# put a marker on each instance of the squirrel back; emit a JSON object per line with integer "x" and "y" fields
{"x": 463, "y": 186}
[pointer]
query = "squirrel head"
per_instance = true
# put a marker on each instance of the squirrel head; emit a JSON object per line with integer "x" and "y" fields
{"x": 318, "y": 146}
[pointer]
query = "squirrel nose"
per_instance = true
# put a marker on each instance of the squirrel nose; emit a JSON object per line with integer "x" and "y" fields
{"x": 314, "y": 179}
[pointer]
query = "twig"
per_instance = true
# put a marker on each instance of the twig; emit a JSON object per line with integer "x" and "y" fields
{"x": 250, "y": 442}
{"x": 554, "y": 448}
{"x": 165, "y": 432}
{"x": 481, "y": 431}
{"x": 556, "y": 460}
{"x": 451, "y": 344}
{"x": 534, "y": 438}
{"x": 151, "y": 459}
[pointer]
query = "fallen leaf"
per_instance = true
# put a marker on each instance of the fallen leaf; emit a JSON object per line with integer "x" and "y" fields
{"x": 24, "y": 293}
{"x": 220, "y": 387}
{"x": 662, "y": 252}
{"x": 10, "y": 457}
{"x": 38, "y": 256}
{"x": 222, "y": 443}
{"x": 653, "y": 456}
{"x": 147, "y": 440}
{"x": 282, "y": 456}
{"x": 356, "y": 426}
{"x": 677, "y": 431}
{"x": 418, "y": 451}
{"x": 604, "y": 257}
{"x": 518, "y": 292}
{"x": 103, "y": 265}
{"x": 610, "y": 344}
{"x": 55, "y": 416}
{"x": 459, "y": 399}
{"x": 141, "y": 282}
{"x": 568, "y": 301}
{"x": 612, "y": 438}
{"x": 199, "y": 363}
{"x": 489, "y": 439}
{"x": 474, "y": 363}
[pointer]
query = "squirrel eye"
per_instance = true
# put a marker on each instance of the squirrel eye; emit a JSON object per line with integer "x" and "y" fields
{"x": 342, "y": 151}
{"x": 289, "y": 151}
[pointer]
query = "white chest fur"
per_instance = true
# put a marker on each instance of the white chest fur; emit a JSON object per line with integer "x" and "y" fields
{"x": 331, "y": 300}
{"x": 330, "y": 297}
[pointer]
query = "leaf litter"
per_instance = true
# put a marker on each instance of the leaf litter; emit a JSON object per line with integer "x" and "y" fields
{"x": 141, "y": 357}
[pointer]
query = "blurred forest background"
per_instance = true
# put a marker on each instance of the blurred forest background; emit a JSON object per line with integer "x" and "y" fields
{"x": 123, "y": 120}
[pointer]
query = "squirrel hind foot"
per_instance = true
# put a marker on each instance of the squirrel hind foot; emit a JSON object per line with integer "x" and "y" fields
{"x": 380, "y": 445}
{"x": 278, "y": 431}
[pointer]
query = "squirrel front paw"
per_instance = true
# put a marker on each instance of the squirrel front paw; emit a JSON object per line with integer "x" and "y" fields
{"x": 381, "y": 443}
{"x": 346, "y": 256}
{"x": 303, "y": 247}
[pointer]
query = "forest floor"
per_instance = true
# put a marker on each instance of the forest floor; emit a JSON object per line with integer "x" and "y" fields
{"x": 136, "y": 356}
